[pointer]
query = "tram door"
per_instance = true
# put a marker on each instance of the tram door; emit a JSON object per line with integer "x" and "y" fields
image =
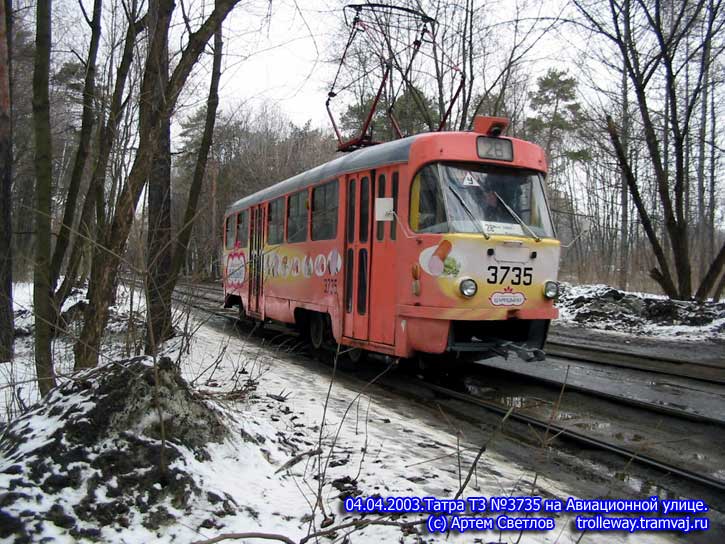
{"x": 256, "y": 261}
{"x": 357, "y": 255}
{"x": 383, "y": 263}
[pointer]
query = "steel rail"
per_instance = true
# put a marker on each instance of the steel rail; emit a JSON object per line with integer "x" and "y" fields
{"x": 193, "y": 289}
{"x": 211, "y": 288}
{"x": 591, "y": 354}
{"x": 581, "y": 438}
{"x": 655, "y": 408}
{"x": 556, "y": 430}
{"x": 659, "y": 365}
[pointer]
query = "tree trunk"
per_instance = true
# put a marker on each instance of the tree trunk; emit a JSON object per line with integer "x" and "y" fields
{"x": 182, "y": 243}
{"x": 710, "y": 251}
{"x": 701, "y": 226}
{"x": 215, "y": 267}
{"x": 708, "y": 282}
{"x": 83, "y": 150}
{"x": 7, "y": 327}
{"x": 158, "y": 257}
{"x": 661, "y": 275}
{"x": 719, "y": 290}
{"x": 106, "y": 260}
{"x": 106, "y": 138}
{"x": 42, "y": 295}
{"x": 624, "y": 200}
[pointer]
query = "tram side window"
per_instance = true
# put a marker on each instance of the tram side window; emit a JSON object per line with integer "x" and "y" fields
{"x": 427, "y": 209}
{"x": 380, "y": 225}
{"x": 351, "y": 211}
{"x": 243, "y": 228}
{"x": 394, "y": 222}
{"x": 364, "y": 210}
{"x": 275, "y": 228}
{"x": 362, "y": 281}
{"x": 297, "y": 217}
{"x": 324, "y": 211}
{"x": 229, "y": 236}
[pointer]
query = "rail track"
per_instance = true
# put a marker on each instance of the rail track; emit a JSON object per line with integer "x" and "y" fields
{"x": 588, "y": 354}
{"x": 670, "y": 367}
{"x": 206, "y": 298}
{"x": 581, "y": 438}
{"x": 616, "y": 398}
{"x": 212, "y": 294}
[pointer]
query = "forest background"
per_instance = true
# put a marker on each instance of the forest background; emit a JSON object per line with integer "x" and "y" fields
{"x": 125, "y": 123}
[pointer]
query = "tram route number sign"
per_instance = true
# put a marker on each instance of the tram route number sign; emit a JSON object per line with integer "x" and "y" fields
{"x": 498, "y": 149}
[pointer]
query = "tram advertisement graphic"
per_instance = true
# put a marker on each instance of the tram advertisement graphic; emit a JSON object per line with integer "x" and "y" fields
{"x": 510, "y": 277}
{"x": 286, "y": 264}
{"x": 507, "y": 297}
{"x": 236, "y": 268}
{"x": 535, "y": 513}
{"x": 283, "y": 265}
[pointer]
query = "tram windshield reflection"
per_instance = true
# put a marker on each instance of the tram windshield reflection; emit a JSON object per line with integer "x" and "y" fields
{"x": 474, "y": 198}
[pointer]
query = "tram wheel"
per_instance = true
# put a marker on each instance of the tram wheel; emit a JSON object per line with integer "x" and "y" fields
{"x": 242, "y": 314}
{"x": 317, "y": 330}
{"x": 356, "y": 355}
{"x": 429, "y": 367}
{"x": 438, "y": 367}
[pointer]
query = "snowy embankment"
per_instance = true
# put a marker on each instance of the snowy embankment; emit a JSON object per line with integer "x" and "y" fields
{"x": 252, "y": 440}
{"x": 605, "y": 308}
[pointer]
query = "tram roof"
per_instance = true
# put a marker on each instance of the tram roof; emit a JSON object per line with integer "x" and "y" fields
{"x": 362, "y": 159}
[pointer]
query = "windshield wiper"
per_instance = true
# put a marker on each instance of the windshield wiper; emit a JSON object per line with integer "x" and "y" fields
{"x": 517, "y": 218}
{"x": 469, "y": 212}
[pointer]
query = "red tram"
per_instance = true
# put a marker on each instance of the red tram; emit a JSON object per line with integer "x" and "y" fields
{"x": 439, "y": 242}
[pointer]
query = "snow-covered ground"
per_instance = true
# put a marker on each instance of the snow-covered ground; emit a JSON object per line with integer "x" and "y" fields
{"x": 18, "y": 388}
{"x": 287, "y": 443}
{"x": 605, "y": 308}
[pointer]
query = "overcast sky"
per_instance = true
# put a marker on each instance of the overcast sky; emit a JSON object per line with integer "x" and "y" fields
{"x": 288, "y": 67}
{"x": 280, "y": 54}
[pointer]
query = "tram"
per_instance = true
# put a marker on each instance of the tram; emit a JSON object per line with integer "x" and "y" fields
{"x": 436, "y": 243}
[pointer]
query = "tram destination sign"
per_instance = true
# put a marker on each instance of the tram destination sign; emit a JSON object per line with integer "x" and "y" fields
{"x": 497, "y": 149}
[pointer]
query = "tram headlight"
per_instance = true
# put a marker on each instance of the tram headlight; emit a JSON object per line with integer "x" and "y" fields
{"x": 551, "y": 289}
{"x": 468, "y": 287}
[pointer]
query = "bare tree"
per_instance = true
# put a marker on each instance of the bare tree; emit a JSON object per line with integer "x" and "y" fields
{"x": 42, "y": 294}
{"x": 22, "y": 57}
{"x": 84, "y": 145}
{"x": 84, "y": 235}
{"x": 182, "y": 241}
{"x": 655, "y": 42}
{"x": 624, "y": 193}
{"x": 449, "y": 73}
{"x": 107, "y": 257}
{"x": 159, "y": 248}
{"x": 7, "y": 332}
{"x": 251, "y": 149}
{"x": 167, "y": 256}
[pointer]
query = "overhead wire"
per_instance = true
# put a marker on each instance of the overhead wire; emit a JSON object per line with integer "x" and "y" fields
{"x": 398, "y": 18}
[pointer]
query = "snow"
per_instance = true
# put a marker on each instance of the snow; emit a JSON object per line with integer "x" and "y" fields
{"x": 372, "y": 442}
{"x": 380, "y": 442}
{"x": 602, "y": 307}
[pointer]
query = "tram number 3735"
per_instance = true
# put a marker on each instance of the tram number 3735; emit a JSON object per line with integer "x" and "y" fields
{"x": 518, "y": 275}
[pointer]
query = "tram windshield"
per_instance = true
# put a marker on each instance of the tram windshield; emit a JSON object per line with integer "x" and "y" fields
{"x": 477, "y": 198}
